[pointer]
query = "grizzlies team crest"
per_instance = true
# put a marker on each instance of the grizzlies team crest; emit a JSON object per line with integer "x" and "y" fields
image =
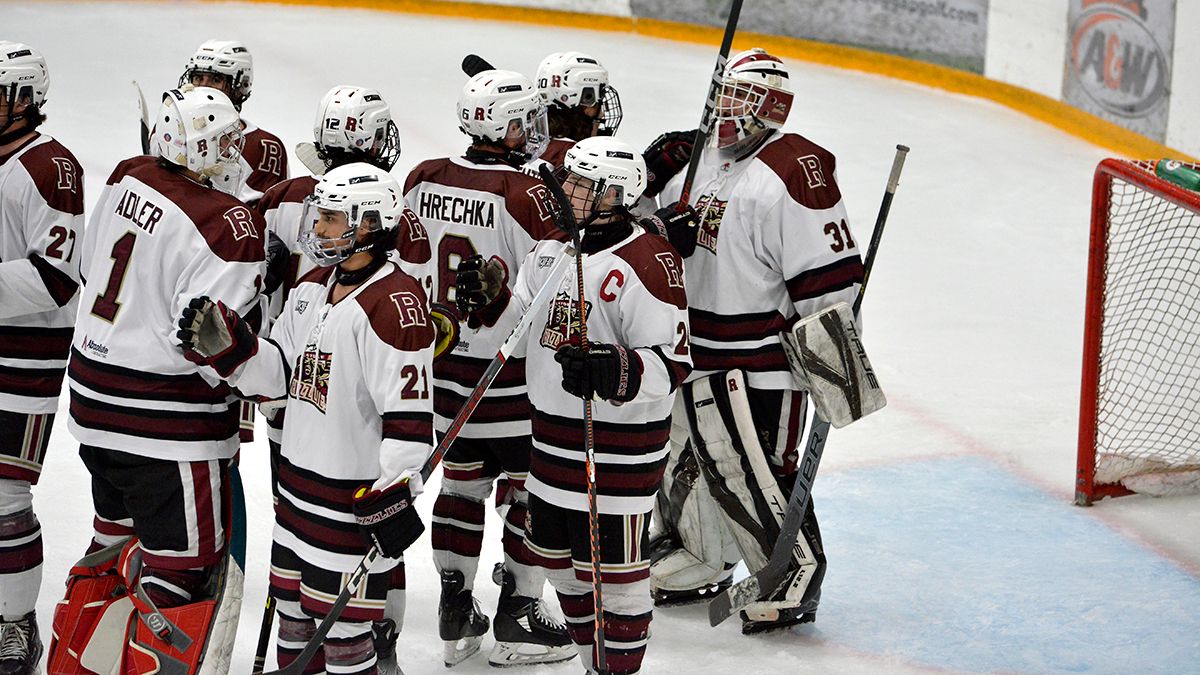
{"x": 561, "y": 322}
{"x": 310, "y": 382}
{"x": 711, "y": 212}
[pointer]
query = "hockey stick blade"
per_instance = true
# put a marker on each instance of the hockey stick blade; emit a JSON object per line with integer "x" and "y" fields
{"x": 145, "y": 121}
{"x": 310, "y": 157}
{"x": 473, "y": 64}
{"x": 768, "y": 579}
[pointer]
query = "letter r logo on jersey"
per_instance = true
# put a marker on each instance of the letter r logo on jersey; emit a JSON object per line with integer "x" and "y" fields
{"x": 410, "y": 308}
{"x": 67, "y": 179}
{"x": 241, "y": 222}
{"x": 540, "y": 194}
{"x": 812, "y": 170}
{"x": 271, "y": 154}
{"x": 667, "y": 260}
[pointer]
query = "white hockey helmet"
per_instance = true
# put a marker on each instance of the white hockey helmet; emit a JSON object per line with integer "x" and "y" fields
{"x": 755, "y": 96}
{"x": 614, "y": 169}
{"x": 23, "y": 73}
{"x": 199, "y": 129}
{"x": 497, "y": 105}
{"x": 367, "y": 196}
{"x": 223, "y": 57}
{"x": 575, "y": 80}
{"x": 358, "y": 121}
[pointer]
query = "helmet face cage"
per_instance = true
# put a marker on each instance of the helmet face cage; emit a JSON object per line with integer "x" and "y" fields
{"x": 537, "y": 131}
{"x": 587, "y": 196}
{"x": 328, "y": 251}
{"x": 363, "y": 196}
{"x": 752, "y": 97}
{"x": 228, "y": 59}
{"x": 610, "y": 111}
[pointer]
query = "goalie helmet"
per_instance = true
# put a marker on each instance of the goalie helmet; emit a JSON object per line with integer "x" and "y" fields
{"x": 357, "y": 122}
{"x": 500, "y": 105}
{"x": 572, "y": 80}
{"x": 367, "y": 196}
{"x": 223, "y": 57}
{"x": 198, "y": 129}
{"x": 23, "y": 76}
{"x": 613, "y": 169}
{"x": 755, "y": 96}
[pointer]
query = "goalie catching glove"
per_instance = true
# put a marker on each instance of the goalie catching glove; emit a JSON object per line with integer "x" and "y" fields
{"x": 609, "y": 372}
{"x": 480, "y": 290}
{"x": 387, "y": 518}
{"x": 665, "y": 157}
{"x": 214, "y": 335}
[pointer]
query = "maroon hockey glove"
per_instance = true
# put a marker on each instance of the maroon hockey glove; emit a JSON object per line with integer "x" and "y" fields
{"x": 679, "y": 227}
{"x": 610, "y": 372}
{"x": 665, "y": 157}
{"x": 480, "y": 290}
{"x": 387, "y": 518}
{"x": 214, "y": 335}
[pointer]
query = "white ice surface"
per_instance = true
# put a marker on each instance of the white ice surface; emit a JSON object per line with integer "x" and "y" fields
{"x": 974, "y": 322}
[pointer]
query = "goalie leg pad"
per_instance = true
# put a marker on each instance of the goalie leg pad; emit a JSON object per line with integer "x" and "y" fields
{"x": 693, "y": 548}
{"x": 827, "y": 358}
{"x": 734, "y": 464}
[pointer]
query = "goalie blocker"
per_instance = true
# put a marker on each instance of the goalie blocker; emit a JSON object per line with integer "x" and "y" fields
{"x": 828, "y": 360}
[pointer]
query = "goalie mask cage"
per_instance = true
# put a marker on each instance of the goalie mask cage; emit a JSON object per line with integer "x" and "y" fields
{"x": 1139, "y": 421}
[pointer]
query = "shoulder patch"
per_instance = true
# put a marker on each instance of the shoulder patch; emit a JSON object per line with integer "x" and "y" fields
{"x": 264, "y": 152}
{"x": 805, "y": 168}
{"x": 412, "y": 241}
{"x": 398, "y": 311}
{"x": 658, "y": 267}
{"x": 57, "y": 175}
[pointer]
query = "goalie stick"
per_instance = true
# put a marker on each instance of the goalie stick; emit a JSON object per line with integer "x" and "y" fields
{"x": 710, "y": 105}
{"x": 567, "y": 212}
{"x": 768, "y": 579}
{"x": 359, "y": 575}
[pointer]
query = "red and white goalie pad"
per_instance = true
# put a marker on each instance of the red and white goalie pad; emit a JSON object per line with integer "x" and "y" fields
{"x": 102, "y": 627}
{"x": 828, "y": 360}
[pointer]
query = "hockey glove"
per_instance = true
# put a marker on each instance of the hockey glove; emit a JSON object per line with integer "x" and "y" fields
{"x": 665, "y": 157}
{"x": 480, "y": 290}
{"x": 278, "y": 257}
{"x": 445, "y": 322}
{"x": 214, "y": 335}
{"x": 387, "y": 518}
{"x": 679, "y": 227}
{"x": 610, "y": 372}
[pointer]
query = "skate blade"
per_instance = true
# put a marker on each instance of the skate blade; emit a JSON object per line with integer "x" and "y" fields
{"x": 508, "y": 654}
{"x": 457, "y": 651}
{"x": 759, "y": 627}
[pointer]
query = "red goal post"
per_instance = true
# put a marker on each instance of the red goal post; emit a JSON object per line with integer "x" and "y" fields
{"x": 1139, "y": 420}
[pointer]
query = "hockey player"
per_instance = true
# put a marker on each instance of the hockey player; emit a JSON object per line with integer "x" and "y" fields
{"x": 226, "y": 65}
{"x": 636, "y": 358}
{"x": 41, "y": 223}
{"x": 580, "y": 103}
{"x": 155, "y": 432}
{"x": 772, "y": 244}
{"x": 353, "y": 124}
{"x": 482, "y": 204}
{"x": 352, "y": 354}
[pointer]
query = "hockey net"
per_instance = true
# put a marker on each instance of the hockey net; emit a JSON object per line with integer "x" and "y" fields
{"x": 1139, "y": 425}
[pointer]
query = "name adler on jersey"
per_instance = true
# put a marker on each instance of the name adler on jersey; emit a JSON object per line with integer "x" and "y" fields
{"x": 141, "y": 212}
{"x": 458, "y": 210}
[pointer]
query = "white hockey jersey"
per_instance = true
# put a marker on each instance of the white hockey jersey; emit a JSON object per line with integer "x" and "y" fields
{"x": 357, "y": 378}
{"x": 155, "y": 241}
{"x": 41, "y": 227}
{"x": 264, "y": 163}
{"x": 493, "y": 210}
{"x": 774, "y": 243}
{"x": 634, "y": 297}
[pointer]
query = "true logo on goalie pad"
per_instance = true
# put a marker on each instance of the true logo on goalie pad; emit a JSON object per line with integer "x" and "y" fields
{"x": 827, "y": 358}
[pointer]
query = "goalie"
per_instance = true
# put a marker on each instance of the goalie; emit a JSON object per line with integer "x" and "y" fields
{"x": 767, "y": 242}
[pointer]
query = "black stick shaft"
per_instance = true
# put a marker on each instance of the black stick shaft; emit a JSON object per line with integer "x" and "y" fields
{"x": 880, "y": 220}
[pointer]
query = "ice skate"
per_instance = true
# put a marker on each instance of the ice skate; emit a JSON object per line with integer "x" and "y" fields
{"x": 525, "y": 631}
{"x": 20, "y": 646}
{"x": 460, "y": 623}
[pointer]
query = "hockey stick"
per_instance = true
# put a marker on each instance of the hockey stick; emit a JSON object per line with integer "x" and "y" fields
{"x": 589, "y": 445}
{"x": 768, "y": 579}
{"x": 145, "y": 122}
{"x": 710, "y": 104}
{"x": 264, "y": 635}
{"x": 359, "y": 575}
{"x": 473, "y": 64}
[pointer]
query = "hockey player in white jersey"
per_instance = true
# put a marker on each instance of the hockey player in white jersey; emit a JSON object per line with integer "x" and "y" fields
{"x": 580, "y": 103}
{"x": 228, "y": 66}
{"x": 41, "y": 224}
{"x": 637, "y": 356}
{"x": 772, "y": 244}
{"x": 352, "y": 354}
{"x": 156, "y": 433}
{"x": 483, "y": 204}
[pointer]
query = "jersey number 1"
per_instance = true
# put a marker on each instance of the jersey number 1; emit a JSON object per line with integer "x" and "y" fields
{"x": 106, "y": 305}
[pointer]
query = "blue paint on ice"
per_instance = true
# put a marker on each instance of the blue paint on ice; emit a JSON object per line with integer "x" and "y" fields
{"x": 958, "y": 564}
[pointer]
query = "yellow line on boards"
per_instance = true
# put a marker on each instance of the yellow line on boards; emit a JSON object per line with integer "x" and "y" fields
{"x": 1060, "y": 115}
